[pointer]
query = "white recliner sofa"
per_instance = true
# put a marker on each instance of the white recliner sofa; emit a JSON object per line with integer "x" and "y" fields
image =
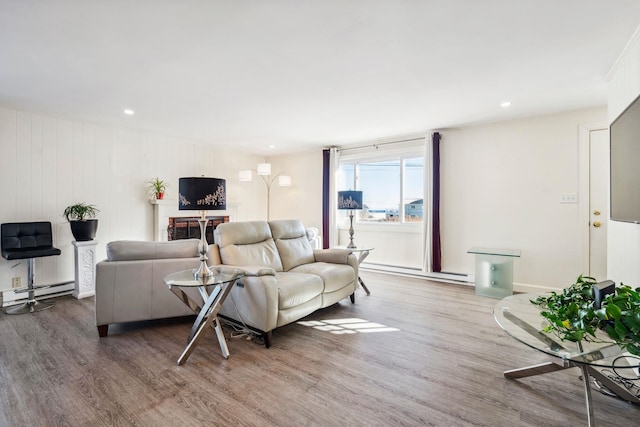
{"x": 285, "y": 279}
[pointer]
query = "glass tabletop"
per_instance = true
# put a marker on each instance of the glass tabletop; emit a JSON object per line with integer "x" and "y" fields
{"x": 358, "y": 249}
{"x": 522, "y": 320}
{"x": 494, "y": 251}
{"x": 186, "y": 278}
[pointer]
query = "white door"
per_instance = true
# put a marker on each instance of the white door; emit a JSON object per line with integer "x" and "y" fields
{"x": 598, "y": 202}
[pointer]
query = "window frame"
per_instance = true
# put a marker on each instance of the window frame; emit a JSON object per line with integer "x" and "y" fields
{"x": 401, "y": 155}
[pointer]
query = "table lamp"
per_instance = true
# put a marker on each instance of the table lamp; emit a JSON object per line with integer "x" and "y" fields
{"x": 202, "y": 194}
{"x": 350, "y": 200}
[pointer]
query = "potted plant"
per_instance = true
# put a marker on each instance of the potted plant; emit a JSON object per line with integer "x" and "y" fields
{"x": 573, "y": 316}
{"x": 157, "y": 188}
{"x": 570, "y": 313}
{"x": 81, "y": 217}
{"x": 620, "y": 316}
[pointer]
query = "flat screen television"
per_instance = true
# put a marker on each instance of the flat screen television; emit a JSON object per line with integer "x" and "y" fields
{"x": 624, "y": 137}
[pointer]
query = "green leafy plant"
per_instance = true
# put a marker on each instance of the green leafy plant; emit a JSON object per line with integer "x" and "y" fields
{"x": 80, "y": 212}
{"x": 157, "y": 186}
{"x": 572, "y": 315}
{"x": 620, "y": 316}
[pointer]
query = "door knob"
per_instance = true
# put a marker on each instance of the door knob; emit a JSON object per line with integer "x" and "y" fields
{"x": 596, "y": 224}
{"x": 596, "y": 212}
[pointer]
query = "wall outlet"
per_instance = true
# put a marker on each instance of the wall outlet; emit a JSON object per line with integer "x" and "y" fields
{"x": 16, "y": 282}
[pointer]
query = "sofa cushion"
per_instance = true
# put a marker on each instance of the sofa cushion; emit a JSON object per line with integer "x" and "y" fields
{"x": 288, "y": 315}
{"x": 334, "y": 276}
{"x": 297, "y": 288}
{"x": 263, "y": 254}
{"x": 292, "y": 243}
{"x": 241, "y": 233}
{"x": 294, "y": 252}
{"x": 287, "y": 229}
{"x": 128, "y": 250}
{"x": 247, "y": 243}
{"x": 213, "y": 255}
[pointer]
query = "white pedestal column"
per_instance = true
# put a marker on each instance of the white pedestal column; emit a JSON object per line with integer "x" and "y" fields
{"x": 85, "y": 260}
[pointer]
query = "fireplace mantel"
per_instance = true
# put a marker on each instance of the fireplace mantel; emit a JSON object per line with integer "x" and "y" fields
{"x": 165, "y": 208}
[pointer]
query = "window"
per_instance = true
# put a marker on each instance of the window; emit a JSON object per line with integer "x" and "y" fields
{"x": 392, "y": 188}
{"x": 380, "y": 185}
{"x": 413, "y": 189}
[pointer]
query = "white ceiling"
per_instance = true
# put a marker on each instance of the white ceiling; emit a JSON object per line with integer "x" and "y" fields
{"x": 305, "y": 73}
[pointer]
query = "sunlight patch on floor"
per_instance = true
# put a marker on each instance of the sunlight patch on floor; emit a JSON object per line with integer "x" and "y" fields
{"x": 350, "y": 325}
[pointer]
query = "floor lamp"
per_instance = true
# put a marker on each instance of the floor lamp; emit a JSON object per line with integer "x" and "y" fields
{"x": 202, "y": 194}
{"x": 264, "y": 172}
{"x": 350, "y": 200}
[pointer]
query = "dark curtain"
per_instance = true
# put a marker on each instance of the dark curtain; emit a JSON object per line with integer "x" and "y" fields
{"x": 326, "y": 174}
{"x": 436, "y": 261}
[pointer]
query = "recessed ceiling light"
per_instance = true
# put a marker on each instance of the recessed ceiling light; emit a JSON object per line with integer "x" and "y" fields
{"x": 129, "y": 112}
{"x": 505, "y": 104}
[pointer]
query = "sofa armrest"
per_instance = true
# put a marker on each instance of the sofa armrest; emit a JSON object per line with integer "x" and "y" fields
{"x": 252, "y": 270}
{"x": 337, "y": 256}
{"x": 254, "y": 299}
{"x": 334, "y": 256}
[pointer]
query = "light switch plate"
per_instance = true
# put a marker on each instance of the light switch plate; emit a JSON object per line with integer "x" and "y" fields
{"x": 568, "y": 198}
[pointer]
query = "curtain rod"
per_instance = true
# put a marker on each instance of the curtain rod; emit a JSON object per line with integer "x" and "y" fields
{"x": 381, "y": 143}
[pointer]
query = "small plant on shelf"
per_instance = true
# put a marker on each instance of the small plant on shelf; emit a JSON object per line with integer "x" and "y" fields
{"x": 157, "y": 188}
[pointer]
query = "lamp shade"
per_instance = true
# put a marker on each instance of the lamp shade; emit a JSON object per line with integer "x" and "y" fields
{"x": 351, "y": 200}
{"x": 264, "y": 168}
{"x": 245, "y": 175}
{"x": 202, "y": 194}
{"x": 284, "y": 181}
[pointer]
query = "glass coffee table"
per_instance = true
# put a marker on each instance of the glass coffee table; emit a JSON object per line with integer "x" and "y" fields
{"x": 522, "y": 320}
{"x": 214, "y": 291}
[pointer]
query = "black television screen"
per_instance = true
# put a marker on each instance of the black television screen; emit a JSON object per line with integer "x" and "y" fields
{"x": 624, "y": 136}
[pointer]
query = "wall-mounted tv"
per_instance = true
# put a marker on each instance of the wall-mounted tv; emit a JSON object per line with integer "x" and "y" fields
{"x": 624, "y": 136}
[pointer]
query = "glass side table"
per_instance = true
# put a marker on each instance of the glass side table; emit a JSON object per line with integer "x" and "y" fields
{"x": 494, "y": 271}
{"x": 522, "y": 320}
{"x": 214, "y": 291}
{"x": 362, "y": 253}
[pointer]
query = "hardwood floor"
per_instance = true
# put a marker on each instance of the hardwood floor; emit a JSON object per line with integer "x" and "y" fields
{"x": 442, "y": 367}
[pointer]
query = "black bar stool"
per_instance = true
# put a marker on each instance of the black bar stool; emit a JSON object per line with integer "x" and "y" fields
{"x": 28, "y": 240}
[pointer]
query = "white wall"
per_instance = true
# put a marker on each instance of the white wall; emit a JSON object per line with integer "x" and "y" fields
{"x": 623, "y": 246}
{"x": 48, "y": 163}
{"x": 303, "y": 200}
{"x": 398, "y": 249}
{"x": 501, "y": 186}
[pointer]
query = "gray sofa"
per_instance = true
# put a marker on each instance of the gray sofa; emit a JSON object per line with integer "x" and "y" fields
{"x": 130, "y": 282}
{"x": 285, "y": 279}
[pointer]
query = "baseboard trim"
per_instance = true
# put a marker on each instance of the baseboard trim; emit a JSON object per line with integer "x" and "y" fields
{"x": 9, "y": 297}
{"x": 447, "y": 277}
